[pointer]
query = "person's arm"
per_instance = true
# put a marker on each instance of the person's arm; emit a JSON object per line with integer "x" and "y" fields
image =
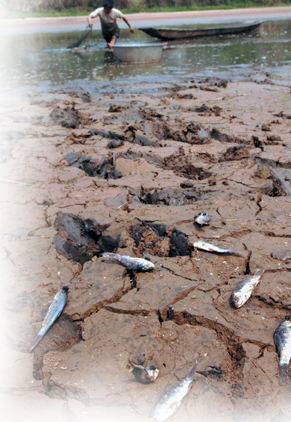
{"x": 128, "y": 24}
{"x": 89, "y": 20}
{"x": 91, "y": 16}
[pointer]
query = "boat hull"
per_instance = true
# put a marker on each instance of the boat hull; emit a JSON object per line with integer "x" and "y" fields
{"x": 168, "y": 34}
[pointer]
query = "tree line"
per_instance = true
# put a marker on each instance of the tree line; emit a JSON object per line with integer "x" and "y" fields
{"x": 142, "y": 5}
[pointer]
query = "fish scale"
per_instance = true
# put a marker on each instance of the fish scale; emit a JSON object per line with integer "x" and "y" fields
{"x": 53, "y": 313}
{"x": 244, "y": 289}
{"x": 282, "y": 340}
{"x": 134, "y": 264}
{"x": 209, "y": 247}
{"x": 172, "y": 400}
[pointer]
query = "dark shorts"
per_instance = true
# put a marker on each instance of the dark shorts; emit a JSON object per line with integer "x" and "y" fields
{"x": 108, "y": 35}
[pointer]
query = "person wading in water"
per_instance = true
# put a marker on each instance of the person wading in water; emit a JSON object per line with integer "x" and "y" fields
{"x": 108, "y": 16}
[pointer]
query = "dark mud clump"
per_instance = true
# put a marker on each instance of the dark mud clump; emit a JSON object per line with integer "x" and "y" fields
{"x": 224, "y": 137}
{"x": 152, "y": 236}
{"x": 135, "y": 137}
{"x": 182, "y": 166}
{"x": 190, "y": 133}
{"x": 205, "y": 110}
{"x": 80, "y": 239}
{"x": 110, "y": 135}
{"x": 179, "y": 245}
{"x": 237, "y": 152}
{"x": 168, "y": 196}
{"x": 115, "y": 143}
{"x": 68, "y": 117}
{"x": 104, "y": 168}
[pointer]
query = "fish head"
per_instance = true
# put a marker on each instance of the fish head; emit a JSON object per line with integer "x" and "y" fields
{"x": 147, "y": 265}
{"x": 287, "y": 321}
{"x": 152, "y": 372}
{"x": 237, "y": 300}
{"x": 65, "y": 289}
{"x": 202, "y": 219}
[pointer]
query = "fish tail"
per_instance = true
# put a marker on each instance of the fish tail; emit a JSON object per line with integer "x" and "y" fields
{"x": 191, "y": 373}
{"x": 237, "y": 253}
{"x": 110, "y": 255}
{"x": 134, "y": 365}
{"x": 37, "y": 340}
{"x": 283, "y": 372}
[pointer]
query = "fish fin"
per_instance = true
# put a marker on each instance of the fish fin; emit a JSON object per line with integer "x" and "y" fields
{"x": 191, "y": 373}
{"x": 283, "y": 372}
{"x": 37, "y": 340}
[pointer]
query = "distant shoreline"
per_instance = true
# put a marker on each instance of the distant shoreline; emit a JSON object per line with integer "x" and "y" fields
{"x": 159, "y": 15}
{"x": 21, "y": 26}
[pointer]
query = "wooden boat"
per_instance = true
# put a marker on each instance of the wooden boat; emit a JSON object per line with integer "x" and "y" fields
{"x": 168, "y": 34}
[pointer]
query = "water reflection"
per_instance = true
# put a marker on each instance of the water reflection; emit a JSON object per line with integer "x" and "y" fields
{"x": 44, "y": 60}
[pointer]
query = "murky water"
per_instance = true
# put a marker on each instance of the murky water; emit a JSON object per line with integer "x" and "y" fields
{"x": 42, "y": 60}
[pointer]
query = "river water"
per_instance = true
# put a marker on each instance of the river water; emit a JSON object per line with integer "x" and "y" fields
{"x": 41, "y": 60}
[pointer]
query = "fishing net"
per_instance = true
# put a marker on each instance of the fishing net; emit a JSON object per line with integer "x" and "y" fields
{"x": 86, "y": 33}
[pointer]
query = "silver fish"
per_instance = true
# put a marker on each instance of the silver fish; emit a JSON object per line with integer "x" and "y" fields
{"x": 135, "y": 264}
{"x": 244, "y": 289}
{"x": 146, "y": 374}
{"x": 203, "y": 219}
{"x": 54, "y": 311}
{"x": 172, "y": 400}
{"x": 282, "y": 340}
{"x": 213, "y": 248}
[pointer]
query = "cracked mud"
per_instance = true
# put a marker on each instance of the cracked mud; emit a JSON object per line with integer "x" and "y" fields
{"x": 112, "y": 177}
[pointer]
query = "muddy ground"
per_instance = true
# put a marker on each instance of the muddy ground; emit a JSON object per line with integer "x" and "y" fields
{"x": 128, "y": 172}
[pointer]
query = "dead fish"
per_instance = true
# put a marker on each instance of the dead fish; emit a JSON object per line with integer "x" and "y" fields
{"x": 244, "y": 289}
{"x": 213, "y": 248}
{"x": 282, "y": 340}
{"x": 135, "y": 264}
{"x": 203, "y": 219}
{"x": 146, "y": 374}
{"x": 54, "y": 311}
{"x": 172, "y": 400}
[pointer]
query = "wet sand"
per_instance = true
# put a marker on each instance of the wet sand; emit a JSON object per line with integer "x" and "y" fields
{"x": 127, "y": 172}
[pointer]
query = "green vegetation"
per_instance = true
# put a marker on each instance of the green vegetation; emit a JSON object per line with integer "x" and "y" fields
{"x": 146, "y": 6}
{"x": 233, "y": 5}
{"x": 47, "y": 13}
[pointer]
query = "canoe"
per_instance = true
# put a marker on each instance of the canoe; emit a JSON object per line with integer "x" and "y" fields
{"x": 168, "y": 34}
{"x": 138, "y": 52}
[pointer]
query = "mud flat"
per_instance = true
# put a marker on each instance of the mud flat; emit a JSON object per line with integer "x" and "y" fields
{"x": 81, "y": 175}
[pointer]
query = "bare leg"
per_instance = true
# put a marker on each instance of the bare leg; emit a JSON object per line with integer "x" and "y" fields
{"x": 113, "y": 41}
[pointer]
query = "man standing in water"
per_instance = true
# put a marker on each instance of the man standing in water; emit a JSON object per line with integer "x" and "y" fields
{"x": 108, "y": 16}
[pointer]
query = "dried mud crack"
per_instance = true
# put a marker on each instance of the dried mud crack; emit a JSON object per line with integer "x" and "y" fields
{"x": 130, "y": 179}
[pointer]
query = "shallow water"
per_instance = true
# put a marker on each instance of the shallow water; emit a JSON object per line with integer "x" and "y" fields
{"x": 43, "y": 61}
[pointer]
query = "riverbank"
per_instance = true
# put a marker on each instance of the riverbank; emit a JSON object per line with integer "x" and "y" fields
{"x": 142, "y": 164}
{"x": 10, "y": 26}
